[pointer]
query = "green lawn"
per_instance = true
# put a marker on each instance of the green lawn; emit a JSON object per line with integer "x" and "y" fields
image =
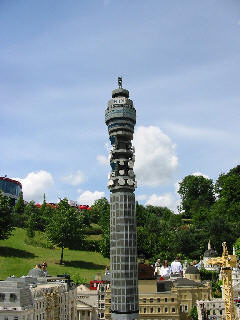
{"x": 17, "y": 258}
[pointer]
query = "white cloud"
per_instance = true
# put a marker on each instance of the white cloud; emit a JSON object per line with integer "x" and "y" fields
{"x": 74, "y": 178}
{"x": 197, "y": 174}
{"x": 165, "y": 200}
{"x": 36, "y": 184}
{"x": 177, "y": 186}
{"x": 156, "y": 158}
{"x": 102, "y": 160}
{"x": 141, "y": 197}
{"x": 107, "y": 146}
{"x": 88, "y": 197}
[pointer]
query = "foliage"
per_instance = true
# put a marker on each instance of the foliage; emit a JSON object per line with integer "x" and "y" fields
{"x": 98, "y": 210}
{"x": 189, "y": 242}
{"x": 18, "y": 212}
{"x": 6, "y": 222}
{"x": 101, "y": 209}
{"x": 38, "y": 239}
{"x": 105, "y": 244}
{"x": 213, "y": 277}
{"x": 45, "y": 212}
{"x": 216, "y": 289}
{"x": 220, "y": 229}
{"x": 237, "y": 246}
{"x": 31, "y": 213}
{"x": 92, "y": 230}
{"x": 157, "y": 231}
{"x": 87, "y": 245}
{"x": 228, "y": 191}
{"x": 160, "y": 212}
{"x": 208, "y": 275}
{"x": 196, "y": 192}
{"x": 193, "y": 313}
{"x": 65, "y": 226}
{"x": 78, "y": 279}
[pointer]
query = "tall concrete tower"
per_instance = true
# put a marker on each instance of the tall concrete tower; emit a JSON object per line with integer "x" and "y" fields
{"x": 120, "y": 117}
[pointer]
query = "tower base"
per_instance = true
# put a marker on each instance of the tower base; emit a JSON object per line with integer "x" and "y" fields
{"x": 125, "y": 316}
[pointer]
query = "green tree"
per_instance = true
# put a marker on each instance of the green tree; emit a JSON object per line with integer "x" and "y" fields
{"x": 161, "y": 212}
{"x": 228, "y": 191}
{"x": 6, "y": 222}
{"x": 98, "y": 209}
{"x": 45, "y": 213}
{"x": 141, "y": 215}
{"x": 101, "y": 208}
{"x": 237, "y": 246}
{"x": 189, "y": 242}
{"x": 220, "y": 229}
{"x": 31, "y": 214}
{"x": 193, "y": 313}
{"x": 65, "y": 226}
{"x": 156, "y": 231}
{"x": 18, "y": 212}
{"x": 196, "y": 192}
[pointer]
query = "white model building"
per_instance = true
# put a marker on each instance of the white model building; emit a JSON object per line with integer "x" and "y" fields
{"x": 28, "y": 298}
{"x": 210, "y": 253}
{"x": 213, "y": 308}
{"x": 87, "y": 303}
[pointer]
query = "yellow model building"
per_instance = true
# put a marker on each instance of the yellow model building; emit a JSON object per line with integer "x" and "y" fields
{"x": 168, "y": 299}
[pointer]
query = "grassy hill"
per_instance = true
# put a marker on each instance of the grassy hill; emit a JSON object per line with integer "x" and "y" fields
{"x": 17, "y": 258}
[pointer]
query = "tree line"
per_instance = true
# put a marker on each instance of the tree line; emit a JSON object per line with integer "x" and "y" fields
{"x": 207, "y": 210}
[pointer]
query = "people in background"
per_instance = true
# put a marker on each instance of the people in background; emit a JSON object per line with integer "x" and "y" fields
{"x": 176, "y": 267}
{"x": 36, "y": 272}
{"x": 44, "y": 268}
{"x": 195, "y": 263}
{"x": 158, "y": 263}
{"x": 157, "y": 268}
{"x": 165, "y": 270}
{"x": 107, "y": 272}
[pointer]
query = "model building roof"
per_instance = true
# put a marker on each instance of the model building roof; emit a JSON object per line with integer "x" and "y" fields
{"x": 192, "y": 270}
{"x": 184, "y": 282}
{"x": 210, "y": 253}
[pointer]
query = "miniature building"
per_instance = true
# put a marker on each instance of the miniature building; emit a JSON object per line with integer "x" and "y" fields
{"x": 211, "y": 308}
{"x": 87, "y": 303}
{"x": 26, "y": 298}
{"x": 16, "y": 301}
{"x": 166, "y": 299}
{"x": 192, "y": 273}
{"x": 102, "y": 289}
{"x": 145, "y": 272}
{"x": 120, "y": 117}
{"x": 210, "y": 253}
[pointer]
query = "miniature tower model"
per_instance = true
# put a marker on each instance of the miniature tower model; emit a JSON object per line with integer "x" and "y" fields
{"x": 120, "y": 117}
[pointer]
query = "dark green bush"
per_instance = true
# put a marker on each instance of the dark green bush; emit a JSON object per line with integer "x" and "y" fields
{"x": 87, "y": 245}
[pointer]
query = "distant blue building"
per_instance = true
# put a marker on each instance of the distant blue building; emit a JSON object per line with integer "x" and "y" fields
{"x": 11, "y": 188}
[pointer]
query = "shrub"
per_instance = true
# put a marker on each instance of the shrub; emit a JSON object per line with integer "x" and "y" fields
{"x": 87, "y": 245}
{"x": 78, "y": 279}
{"x": 92, "y": 230}
{"x": 39, "y": 239}
{"x": 208, "y": 275}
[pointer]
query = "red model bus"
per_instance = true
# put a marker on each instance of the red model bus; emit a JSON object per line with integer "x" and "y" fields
{"x": 94, "y": 284}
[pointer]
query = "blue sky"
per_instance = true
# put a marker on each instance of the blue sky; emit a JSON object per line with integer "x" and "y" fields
{"x": 59, "y": 62}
